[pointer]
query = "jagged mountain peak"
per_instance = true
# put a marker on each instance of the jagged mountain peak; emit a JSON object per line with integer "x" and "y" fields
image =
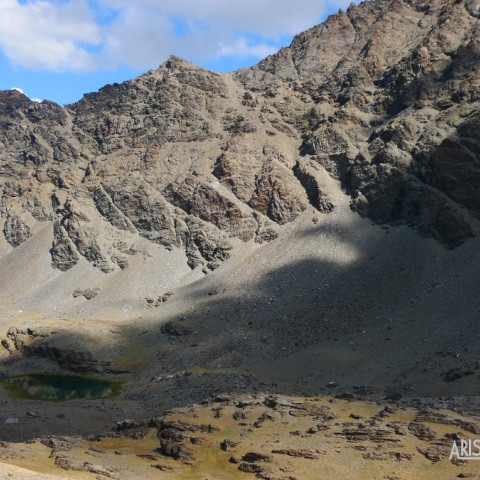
{"x": 174, "y": 62}
{"x": 12, "y": 97}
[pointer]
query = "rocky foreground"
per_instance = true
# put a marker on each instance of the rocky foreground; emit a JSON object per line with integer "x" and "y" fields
{"x": 267, "y": 437}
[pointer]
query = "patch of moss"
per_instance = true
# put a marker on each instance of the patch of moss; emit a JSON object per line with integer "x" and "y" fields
{"x": 136, "y": 353}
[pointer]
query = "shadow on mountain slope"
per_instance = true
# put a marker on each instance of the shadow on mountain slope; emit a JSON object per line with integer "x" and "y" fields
{"x": 375, "y": 310}
{"x": 387, "y": 310}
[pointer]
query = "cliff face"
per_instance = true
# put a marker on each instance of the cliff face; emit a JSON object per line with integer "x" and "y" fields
{"x": 394, "y": 88}
{"x": 383, "y": 99}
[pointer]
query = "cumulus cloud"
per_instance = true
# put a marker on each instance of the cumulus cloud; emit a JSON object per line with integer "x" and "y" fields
{"x": 43, "y": 34}
{"x": 78, "y": 35}
{"x": 140, "y": 38}
{"x": 268, "y": 18}
{"x": 242, "y": 49}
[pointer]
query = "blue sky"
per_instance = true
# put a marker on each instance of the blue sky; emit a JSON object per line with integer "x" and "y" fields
{"x": 61, "y": 49}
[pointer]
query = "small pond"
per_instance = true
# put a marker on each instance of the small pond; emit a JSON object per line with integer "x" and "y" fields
{"x": 51, "y": 387}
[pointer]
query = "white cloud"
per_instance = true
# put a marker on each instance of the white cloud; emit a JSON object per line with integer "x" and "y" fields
{"x": 242, "y": 49}
{"x": 18, "y": 89}
{"x": 69, "y": 35}
{"x": 265, "y": 17}
{"x": 140, "y": 37}
{"x": 42, "y": 34}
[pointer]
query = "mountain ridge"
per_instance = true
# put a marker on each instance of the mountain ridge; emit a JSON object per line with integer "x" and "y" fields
{"x": 372, "y": 102}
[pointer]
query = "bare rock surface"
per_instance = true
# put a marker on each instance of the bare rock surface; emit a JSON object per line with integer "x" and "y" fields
{"x": 193, "y": 441}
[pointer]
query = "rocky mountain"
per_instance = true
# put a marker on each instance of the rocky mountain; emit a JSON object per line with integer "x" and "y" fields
{"x": 383, "y": 98}
{"x": 307, "y": 225}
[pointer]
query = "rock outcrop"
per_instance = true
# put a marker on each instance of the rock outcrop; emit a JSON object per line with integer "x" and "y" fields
{"x": 61, "y": 348}
{"x": 15, "y": 230}
{"x": 173, "y": 436}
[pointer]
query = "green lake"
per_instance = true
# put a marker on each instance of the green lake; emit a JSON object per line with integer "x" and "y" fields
{"x": 51, "y": 387}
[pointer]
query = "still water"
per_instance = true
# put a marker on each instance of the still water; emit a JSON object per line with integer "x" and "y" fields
{"x": 45, "y": 386}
